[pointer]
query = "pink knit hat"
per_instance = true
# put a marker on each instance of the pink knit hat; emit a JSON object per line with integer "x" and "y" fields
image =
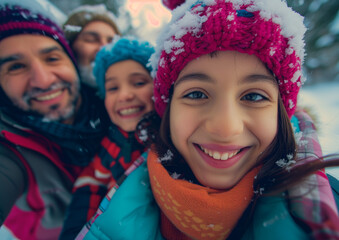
{"x": 266, "y": 28}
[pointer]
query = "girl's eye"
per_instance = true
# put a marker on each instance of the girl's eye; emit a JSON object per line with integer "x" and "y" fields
{"x": 112, "y": 89}
{"x": 196, "y": 95}
{"x": 52, "y": 59}
{"x": 254, "y": 97}
{"x": 140, "y": 80}
{"x": 139, "y": 84}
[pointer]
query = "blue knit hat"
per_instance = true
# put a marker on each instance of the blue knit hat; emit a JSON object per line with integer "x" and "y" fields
{"x": 124, "y": 48}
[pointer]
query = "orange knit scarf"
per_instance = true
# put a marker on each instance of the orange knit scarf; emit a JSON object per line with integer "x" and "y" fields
{"x": 198, "y": 212}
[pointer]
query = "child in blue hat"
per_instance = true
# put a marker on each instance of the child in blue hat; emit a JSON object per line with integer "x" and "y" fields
{"x": 124, "y": 82}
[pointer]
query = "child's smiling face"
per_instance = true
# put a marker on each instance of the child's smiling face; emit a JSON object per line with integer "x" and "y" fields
{"x": 223, "y": 115}
{"x": 129, "y": 91}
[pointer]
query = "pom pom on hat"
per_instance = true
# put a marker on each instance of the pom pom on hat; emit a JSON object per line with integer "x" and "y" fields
{"x": 172, "y": 4}
{"x": 126, "y": 48}
{"x": 268, "y": 29}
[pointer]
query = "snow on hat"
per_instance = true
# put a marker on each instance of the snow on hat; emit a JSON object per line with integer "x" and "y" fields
{"x": 268, "y": 29}
{"x": 85, "y": 14}
{"x": 126, "y": 48}
{"x": 19, "y": 20}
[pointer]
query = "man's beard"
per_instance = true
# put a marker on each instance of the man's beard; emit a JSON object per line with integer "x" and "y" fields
{"x": 87, "y": 77}
{"x": 61, "y": 115}
{"x": 54, "y": 113}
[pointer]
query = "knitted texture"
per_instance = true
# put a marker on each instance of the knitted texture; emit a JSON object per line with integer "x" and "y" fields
{"x": 197, "y": 211}
{"x": 85, "y": 14}
{"x": 267, "y": 29}
{"x": 17, "y": 20}
{"x": 127, "y": 48}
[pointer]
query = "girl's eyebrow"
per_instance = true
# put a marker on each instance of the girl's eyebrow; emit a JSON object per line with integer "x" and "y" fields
{"x": 194, "y": 76}
{"x": 248, "y": 79}
{"x": 259, "y": 78}
{"x": 135, "y": 74}
{"x": 110, "y": 79}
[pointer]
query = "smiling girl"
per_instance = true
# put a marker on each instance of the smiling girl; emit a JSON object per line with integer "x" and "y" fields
{"x": 227, "y": 76}
{"x": 231, "y": 102}
{"x": 124, "y": 82}
{"x": 228, "y": 163}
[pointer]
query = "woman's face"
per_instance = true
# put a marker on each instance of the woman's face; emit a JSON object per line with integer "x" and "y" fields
{"x": 94, "y": 35}
{"x": 223, "y": 115}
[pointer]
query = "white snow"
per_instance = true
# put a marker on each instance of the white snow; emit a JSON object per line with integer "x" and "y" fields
{"x": 97, "y": 9}
{"x": 143, "y": 135}
{"x": 184, "y": 21}
{"x": 40, "y": 6}
{"x": 72, "y": 28}
{"x": 167, "y": 157}
{"x": 286, "y": 163}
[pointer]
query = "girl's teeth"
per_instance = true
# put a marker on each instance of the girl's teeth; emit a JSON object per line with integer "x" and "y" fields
{"x": 129, "y": 111}
{"x": 218, "y": 155}
{"x": 225, "y": 156}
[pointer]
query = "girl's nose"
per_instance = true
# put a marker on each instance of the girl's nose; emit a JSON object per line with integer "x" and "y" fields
{"x": 125, "y": 95}
{"x": 225, "y": 120}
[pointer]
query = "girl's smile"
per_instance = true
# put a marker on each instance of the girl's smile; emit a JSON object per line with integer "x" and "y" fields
{"x": 220, "y": 154}
{"x": 221, "y": 158}
{"x": 223, "y": 114}
{"x": 130, "y": 112}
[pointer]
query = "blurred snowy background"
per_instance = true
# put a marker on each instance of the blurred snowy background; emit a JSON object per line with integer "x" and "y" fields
{"x": 323, "y": 100}
{"x": 320, "y": 93}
